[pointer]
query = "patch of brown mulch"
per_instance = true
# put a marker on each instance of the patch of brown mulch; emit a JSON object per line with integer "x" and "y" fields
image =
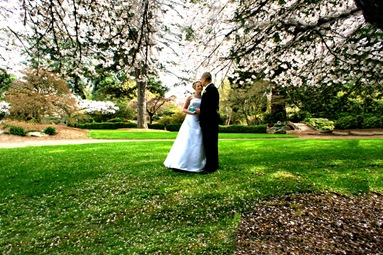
{"x": 63, "y": 132}
{"x": 313, "y": 224}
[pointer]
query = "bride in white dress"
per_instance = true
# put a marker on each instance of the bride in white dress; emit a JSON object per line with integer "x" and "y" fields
{"x": 187, "y": 152}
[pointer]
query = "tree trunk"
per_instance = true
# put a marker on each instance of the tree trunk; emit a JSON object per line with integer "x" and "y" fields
{"x": 141, "y": 98}
{"x": 278, "y": 108}
{"x": 151, "y": 118}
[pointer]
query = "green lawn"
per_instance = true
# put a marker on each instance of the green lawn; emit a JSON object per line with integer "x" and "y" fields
{"x": 118, "y": 198}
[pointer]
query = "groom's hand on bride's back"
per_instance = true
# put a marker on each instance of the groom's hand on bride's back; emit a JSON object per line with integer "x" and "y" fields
{"x": 197, "y": 110}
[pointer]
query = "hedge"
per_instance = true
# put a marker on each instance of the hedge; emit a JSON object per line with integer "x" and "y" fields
{"x": 156, "y": 126}
{"x": 107, "y": 125}
{"x": 243, "y": 129}
{"x": 359, "y": 121}
{"x": 228, "y": 129}
{"x": 173, "y": 127}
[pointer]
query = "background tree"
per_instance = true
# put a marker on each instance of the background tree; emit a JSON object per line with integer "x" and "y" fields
{"x": 245, "y": 101}
{"x": 40, "y": 95}
{"x": 5, "y": 81}
{"x": 114, "y": 87}
{"x": 157, "y": 98}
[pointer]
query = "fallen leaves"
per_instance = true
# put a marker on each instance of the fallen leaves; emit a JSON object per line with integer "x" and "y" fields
{"x": 313, "y": 224}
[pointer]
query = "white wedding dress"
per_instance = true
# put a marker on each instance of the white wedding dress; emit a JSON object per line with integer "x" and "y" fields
{"x": 187, "y": 152}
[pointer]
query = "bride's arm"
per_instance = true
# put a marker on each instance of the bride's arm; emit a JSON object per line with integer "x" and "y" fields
{"x": 185, "y": 109}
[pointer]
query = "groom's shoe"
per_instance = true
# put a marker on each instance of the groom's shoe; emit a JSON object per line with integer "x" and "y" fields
{"x": 208, "y": 171}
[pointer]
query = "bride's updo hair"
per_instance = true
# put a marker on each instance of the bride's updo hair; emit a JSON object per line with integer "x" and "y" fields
{"x": 195, "y": 84}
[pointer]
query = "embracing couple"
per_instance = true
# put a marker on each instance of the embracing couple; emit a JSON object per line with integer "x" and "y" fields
{"x": 196, "y": 146}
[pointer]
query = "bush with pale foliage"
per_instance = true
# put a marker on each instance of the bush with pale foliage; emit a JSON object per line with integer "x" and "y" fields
{"x": 40, "y": 95}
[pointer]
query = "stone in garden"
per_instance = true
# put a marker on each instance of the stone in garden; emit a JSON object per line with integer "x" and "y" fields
{"x": 36, "y": 134}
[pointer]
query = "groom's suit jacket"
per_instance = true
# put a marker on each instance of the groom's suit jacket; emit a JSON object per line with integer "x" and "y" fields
{"x": 209, "y": 107}
{"x": 209, "y": 125}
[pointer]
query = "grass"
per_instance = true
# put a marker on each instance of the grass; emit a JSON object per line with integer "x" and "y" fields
{"x": 118, "y": 198}
{"x": 152, "y": 134}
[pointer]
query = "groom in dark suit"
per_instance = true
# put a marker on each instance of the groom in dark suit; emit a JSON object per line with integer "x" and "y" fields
{"x": 209, "y": 121}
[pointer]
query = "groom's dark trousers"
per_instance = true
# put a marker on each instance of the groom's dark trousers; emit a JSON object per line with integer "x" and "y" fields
{"x": 209, "y": 121}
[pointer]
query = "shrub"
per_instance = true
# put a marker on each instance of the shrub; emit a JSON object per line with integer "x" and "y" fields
{"x": 40, "y": 94}
{"x": 176, "y": 118}
{"x": 124, "y": 112}
{"x": 115, "y": 120}
{"x": 173, "y": 127}
{"x": 346, "y": 122}
{"x": 372, "y": 122}
{"x": 78, "y": 118}
{"x": 298, "y": 116}
{"x": 320, "y": 123}
{"x": 50, "y": 131}
{"x": 156, "y": 126}
{"x": 107, "y": 125}
{"x": 165, "y": 120}
{"x": 17, "y": 131}
{"x": 243, "y": 129}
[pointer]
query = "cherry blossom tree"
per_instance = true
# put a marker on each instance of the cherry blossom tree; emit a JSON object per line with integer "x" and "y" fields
{"x": 84, "y": 38}
{"x": 301, "y": 43}
{"x": 205, "y": 44}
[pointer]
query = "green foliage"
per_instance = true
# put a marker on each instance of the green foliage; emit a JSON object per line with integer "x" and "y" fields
{"x": 101, "y": 117}
{"x": 156, "y": 126}
{"x": 335, "y": 101}
{"x": 298, "y": 116}
{"x": 125, "y": 112}
{"x": 347, "y": 122}
{"x": 243, "y": 129}
{"x": 246, "y": 99}
{"x": 176, "y": 118}
{"x": 373, "y": 122}
{"x": 320, "y": 123}
{"x": 50, "y": 131}
{"x": 17, "y": 131}
{"x": 107, "y": 125}
{"x": 78, "y": 118}
{"x": 115, "y": 120}
{"x": 111, "y": 85}
{"x": 270, "y": 119}
{"x": 173, "y": 127}
{"x": 359, "y": 121}
{"x": 166, "y": 120}
{"x": 5, "y": 81}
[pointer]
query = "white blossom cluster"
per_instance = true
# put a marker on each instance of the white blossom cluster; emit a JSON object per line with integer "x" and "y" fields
{"x": 78, "y": 37}
{"x": 296, "y": 44}
{"x": 208, "y": 25}
{"x": 10, "y": 47}
{"x": 97, "y": 107}
{"x": 4, "y": 108}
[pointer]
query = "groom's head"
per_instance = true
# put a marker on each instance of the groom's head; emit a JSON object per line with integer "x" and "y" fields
{"x": 206, "y": 79}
